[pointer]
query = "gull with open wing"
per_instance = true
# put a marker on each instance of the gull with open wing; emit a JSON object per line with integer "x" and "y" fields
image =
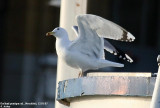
{"x": 87, "y": 51}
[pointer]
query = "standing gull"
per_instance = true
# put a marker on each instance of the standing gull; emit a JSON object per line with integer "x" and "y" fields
{"x": 87, "y": 51}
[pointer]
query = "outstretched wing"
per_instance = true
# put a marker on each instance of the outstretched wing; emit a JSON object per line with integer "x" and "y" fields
{"x": 116, "y": 51}
{"x": 110, "y": 48}
{"x": 105, "y": 28}
{"x": 75, "y": 29}
{"x": 91, "y": 29}
{"x": 88, "y": 42}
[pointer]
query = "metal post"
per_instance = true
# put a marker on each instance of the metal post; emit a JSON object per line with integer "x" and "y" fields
{"x": 69, "y": 10}
{"x": 155, "y": 103}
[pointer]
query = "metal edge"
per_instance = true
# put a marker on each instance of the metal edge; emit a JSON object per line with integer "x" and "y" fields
{"x": 104, "y": 86}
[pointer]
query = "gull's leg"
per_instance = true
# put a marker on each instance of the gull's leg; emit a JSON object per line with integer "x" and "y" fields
{"x": 80, "y": 74}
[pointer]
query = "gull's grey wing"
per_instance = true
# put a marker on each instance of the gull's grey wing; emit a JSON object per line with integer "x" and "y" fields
{"x": 88, "y": 42}
{"x": 105, "y": 28}
{"x": 123, "y": 55}
{"x": 110, "y": 48}
{"x": 114, "y": 50}
{"x": 107, "y": 46}
{"x": 75, "y": 29}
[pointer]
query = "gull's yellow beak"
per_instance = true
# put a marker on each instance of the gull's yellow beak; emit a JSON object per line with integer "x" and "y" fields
{"x": 49, "y": 33}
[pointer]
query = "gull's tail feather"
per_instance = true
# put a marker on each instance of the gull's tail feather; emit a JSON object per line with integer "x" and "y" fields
{"x": 107, "y": 63}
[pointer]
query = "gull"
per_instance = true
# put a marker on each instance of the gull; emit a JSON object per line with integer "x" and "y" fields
{"x": 86, "y": 52}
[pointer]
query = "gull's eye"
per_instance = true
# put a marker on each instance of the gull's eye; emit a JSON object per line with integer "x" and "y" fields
{"x": 57, "y": 28}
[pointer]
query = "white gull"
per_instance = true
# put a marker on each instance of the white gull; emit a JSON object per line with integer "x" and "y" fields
{"x": 87, "y": 51}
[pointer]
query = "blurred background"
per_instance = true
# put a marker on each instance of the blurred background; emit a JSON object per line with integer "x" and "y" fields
{"x": 28, "y": 60}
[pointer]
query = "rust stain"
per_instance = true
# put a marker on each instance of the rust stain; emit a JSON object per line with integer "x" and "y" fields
{"x": 77, "y": 4}
{"x": 122, "y": 88}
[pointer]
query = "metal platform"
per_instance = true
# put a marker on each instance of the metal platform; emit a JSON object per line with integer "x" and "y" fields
{"x": 104, "y": 86}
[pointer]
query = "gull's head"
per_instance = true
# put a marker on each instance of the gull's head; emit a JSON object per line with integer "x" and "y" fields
{"x": 57, "y": 32}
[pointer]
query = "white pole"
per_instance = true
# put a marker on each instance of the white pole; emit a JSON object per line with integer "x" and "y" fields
{"x": 155, "y": 103}
{"x": 69, "y": 10}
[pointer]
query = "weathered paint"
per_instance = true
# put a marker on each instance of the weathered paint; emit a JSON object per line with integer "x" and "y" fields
{"x": 105, "y": 86}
